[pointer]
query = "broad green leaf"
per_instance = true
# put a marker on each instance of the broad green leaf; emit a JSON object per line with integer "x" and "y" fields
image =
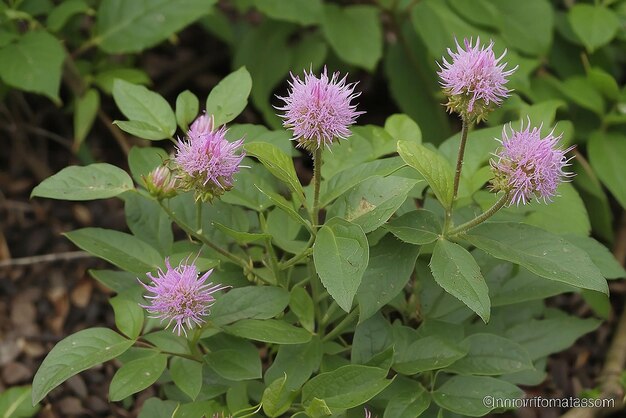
{"x": 524, "y": 286}
{"x": 604, "y": 83}
{"x": 432, "y": 166}
{"x": 116, "y": 280}
{"x": 269, "y": 331}
{"x": 166, "y": 340}
{"x": 142, "y": 160}
{"x": 408, "y": 404}
{"x": 521, "y": 29}
{"x": 136, "y": 375}
{"x": 346, "y": 387}
{"x": 62, "y": 13}
{"x": 355, "y": 33}
{"x": 600, "y": 255}
{"x": 547, "y": 255}
{"x": 240, "y": 237}
{"x": 301, "y": 304}
{"x": 402, "y": 128}
{"x": 129, "y": 316}
{"x": 371, "y": 337}
{"x": 390, "y": 266}
{"x": 78, "y": 352}
{"x": 372, "y": 202}
{"x": 276, "y": 398}
{"x": 258, "y": 302}
{"x": 33, "y": 64}
{"x": 297, "y": 361}
{"x": 317, "y": 408}
{"x": 132, "y": 26}
{"x": 148, "y": 221}
{"x": 456, "y": 271}
{"x": 341, "y": 254}
{"x": 105, "y": 79}
{"x": 241, "y": 363}
{"x": 304, "y": 12}
{"x": 16, "y": 402}
{"x": 470, "y": 395}
{"x": 492, "y": 355}
{"x": 581, "y": 91}
{"x": 278, "y": 163}
{"x": 187, "y": 375}
{"x": 187, "y": 108}
{"x": 145, "y": 110}
{"x": 230, "y": 97}
{"x": 198, "y": 409}
{"x": 95, "y": 181}
{"x": 606, "y": 154}
{"x": 123, "y": 250}
{"x": 428, "y": 353}
{"x": 85, "y": 111}
{"x": 594, "y": 25}
{"x": 567, "y": 214}
{"x": 418, "y": 227}
{"x": 157, "y": 408}
{"x": 547, "y": 336}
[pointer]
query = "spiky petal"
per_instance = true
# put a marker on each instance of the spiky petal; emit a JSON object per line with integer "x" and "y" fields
{"x": 529, "y": 166}
{"x": 475, "y": 79}
{"x": 180, "y": 296}
{"x": 319, "y": 110}
{"x": 207, "y": 160}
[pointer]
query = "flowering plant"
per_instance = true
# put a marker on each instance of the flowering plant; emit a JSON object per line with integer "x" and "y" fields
{"x": 386, "y": 282}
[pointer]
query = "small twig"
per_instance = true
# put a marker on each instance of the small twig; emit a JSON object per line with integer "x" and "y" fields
{"x": 45, "y": 258}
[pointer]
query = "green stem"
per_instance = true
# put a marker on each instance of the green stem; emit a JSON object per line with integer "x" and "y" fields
{"x": 274, "y": 265}
{"x": 457, "y": 173}
{"x": 317, "y": 179}
{"x": 338, "y": 330}
{"x": 329, "y": 313}
{"x": 316, "y": 284}
{"x": 480, "y": 218}
{"x": 199, "y": 215}
{"x": 295, "y": 259}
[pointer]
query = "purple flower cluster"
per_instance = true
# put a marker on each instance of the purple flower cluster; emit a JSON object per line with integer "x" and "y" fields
{"x": 207, "y": 159}
{"x": 529, "y": 166}
{"x": 180, "y": 296}
{"x": 475, "y": 79}
{"x": 160, "y": 182}
{"x": 319, "y": 110}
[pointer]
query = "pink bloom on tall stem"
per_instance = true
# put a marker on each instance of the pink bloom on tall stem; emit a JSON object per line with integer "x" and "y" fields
{"x": 529, "y": 166}
{"x": 319, "y": 110}
{"x": 475, "y": 79}
{"x": 208, "y": 161}
{"x": 180, "y": 295}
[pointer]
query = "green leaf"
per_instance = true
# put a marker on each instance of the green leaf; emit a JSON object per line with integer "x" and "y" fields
{"x": 301, "y": 305}
{"x": 408, "y": 404}
{"x": 567, "y": 214}
{"x": 257, "y": 302}
{"x": 240, "y": 237}
{"x": 198, "y": 409}
{"x": 456, "y": 271}
{"x": 372, "y": 202}
{"x": 157, "y": 408}
{"x": 166, "y": 340}
{"x": 371, "y": 338}
{"x": 417, "y": 227}
{"x": 116, "y": 280}
{"x": 241, "y": 363}
{"x": 524, "y": 286}
{"x": 132, "y": 26}
{"x": 345, "y": 387}
{"x": 276, "y": 398}
{"x": 59, "y": 16}
{"x": 355, "y": 33}
{"x": 187, "y": 108}
{"x": 594, "y": 25}
{"x": 230, "y": 97}
{"x": 95, "y": 181}
{"x": 148, "y": 221}
{"x": 278, "y": 163}
{"x": 304, "y": 12}
{"x": 341, "y": 254}
{"x": 142, "y": 160}
{"x": 15, "y": 402}
{"x": 78, "y": 352}
{"x": 521, "y": 29}
{"x": 467, "y": 395}
{"x": 492, "y": 355}
{"x": 187, "y": 375}
{"x": 547, "y": 255}
{"x": 317, "y": 408}
{"x": 136, "y": 375}
{"x": 129, "y": 316}
{"x": 34, "y": 64}
{"x": 390, "y": 266}
{"x": 582, "y": 92}
{"x": 85, "y": 111}
{"x": 106, "y": 78}
{"x": 600, "y": 255}
{"x": 123, "y": 250}
{"x": 428, "y": 353}
{"x": 606, "y": 154}
{"x": 146, "y": 110}
{"x": 269, "y": 331}
{"x": 402, "y": 128}
{"x": 297, "y": 361}
{"x": 432, "y": 166}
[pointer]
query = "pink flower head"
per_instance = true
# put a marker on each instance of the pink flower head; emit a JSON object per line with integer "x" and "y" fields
{"x": 160, "y": 182}
{"x": 180, "y": 296}
{"x": 207, "y": 159}
{"x": 529, "y": 166}
{"x": 318, "y": 110}
{"x": 475, "y": 80}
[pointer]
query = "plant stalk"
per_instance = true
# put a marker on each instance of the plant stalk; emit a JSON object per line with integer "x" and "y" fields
{"x": 317, "y": 179}
{"x": 338, "y": 330}
{"x": 457, "y": 173}
{"x": 480, "y": 218}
